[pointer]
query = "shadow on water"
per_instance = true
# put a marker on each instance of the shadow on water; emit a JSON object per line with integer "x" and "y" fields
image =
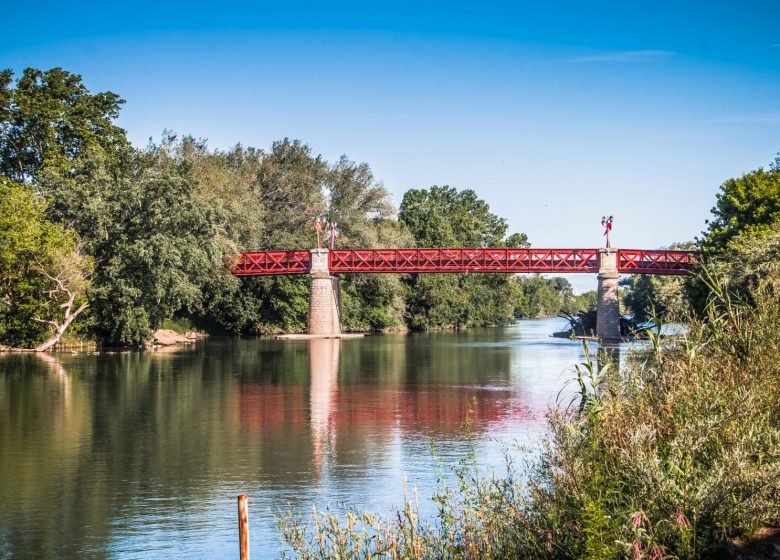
{"x": 140, "y": 455}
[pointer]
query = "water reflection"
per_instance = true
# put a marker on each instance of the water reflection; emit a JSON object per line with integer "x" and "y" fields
{"x": 140, "y": 455}
{"x": 324, "y": 371}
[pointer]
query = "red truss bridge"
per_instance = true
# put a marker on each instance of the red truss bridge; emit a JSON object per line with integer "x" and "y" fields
{"x": 401, "y": 261}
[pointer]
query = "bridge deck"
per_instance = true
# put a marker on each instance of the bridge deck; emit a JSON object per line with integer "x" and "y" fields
{"x": 513, "y": 260}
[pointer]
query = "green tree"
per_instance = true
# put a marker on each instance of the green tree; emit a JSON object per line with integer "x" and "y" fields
{"x": 361, "y": 207}
{"x": 748, "y": 205}
{"x": 645, "y": 295}
{"x": 49, "y": 120}
{"x": 445, "y": 217}
{"x": 43, "y": 273}
{"x": 155, "y": 244}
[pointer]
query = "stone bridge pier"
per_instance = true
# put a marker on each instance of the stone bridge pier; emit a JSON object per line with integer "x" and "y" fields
{"x": 324, "y": 297}
{"x": 608, "y": 305}
{"x": 324, "y": 318}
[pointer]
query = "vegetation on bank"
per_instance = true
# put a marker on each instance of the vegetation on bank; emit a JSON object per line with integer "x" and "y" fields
{"x": 144, "y": 233}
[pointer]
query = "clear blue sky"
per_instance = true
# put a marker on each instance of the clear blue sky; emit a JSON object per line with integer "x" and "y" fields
{"x": 555, "y": 112}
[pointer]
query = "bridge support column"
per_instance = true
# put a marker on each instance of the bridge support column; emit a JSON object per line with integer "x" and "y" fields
{"x": 324, "y": 297}
{"x": 608, "y": 308}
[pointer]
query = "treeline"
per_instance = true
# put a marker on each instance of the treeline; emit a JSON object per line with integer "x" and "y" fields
{"x": 111, "y": 241}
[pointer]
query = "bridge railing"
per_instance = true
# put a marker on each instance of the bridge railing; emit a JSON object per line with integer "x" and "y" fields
{"x": 629, "y": 261}
{"x": 464, "y": 260}
{"x": 638, "y": 261}
{"x": 258, "y": 263}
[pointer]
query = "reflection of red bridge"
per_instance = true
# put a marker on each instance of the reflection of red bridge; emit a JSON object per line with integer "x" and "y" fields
{"x": 629, "y": 261}
{"x": 427, "y": 407}
{"x": 324, "y": 300}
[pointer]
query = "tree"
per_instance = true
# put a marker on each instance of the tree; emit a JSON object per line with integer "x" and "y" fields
{"x": 748, "y": 205}
{"x": 445, "y": 217}
{"x": 155, "y": 244}
{"x": 49, "y": 120}
{"x": 43, "y": 271}
{"x": 361, "y": 207}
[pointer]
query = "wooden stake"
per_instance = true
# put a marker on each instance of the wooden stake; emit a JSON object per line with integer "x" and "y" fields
{"x": 243, "y": 526}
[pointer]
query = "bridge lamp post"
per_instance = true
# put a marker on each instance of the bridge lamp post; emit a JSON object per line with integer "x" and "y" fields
{"x": 607, "y": 225}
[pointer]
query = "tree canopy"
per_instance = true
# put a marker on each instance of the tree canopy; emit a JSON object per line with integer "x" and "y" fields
{"x": 747, "y": 205}
{"x": 50, "y": 121}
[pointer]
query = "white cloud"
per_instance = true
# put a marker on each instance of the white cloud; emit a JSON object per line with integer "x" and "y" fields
{"x": 626, "y": 56}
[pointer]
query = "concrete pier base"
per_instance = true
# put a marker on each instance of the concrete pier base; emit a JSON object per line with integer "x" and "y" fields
{"x": 608, "y": 305}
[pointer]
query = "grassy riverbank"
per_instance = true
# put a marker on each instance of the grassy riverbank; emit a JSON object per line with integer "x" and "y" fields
{"x": 674, "y": 456}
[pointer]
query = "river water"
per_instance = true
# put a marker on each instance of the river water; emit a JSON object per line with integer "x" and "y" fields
{"x": 141, "y": 455}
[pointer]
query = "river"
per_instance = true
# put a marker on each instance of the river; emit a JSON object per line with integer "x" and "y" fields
{"x": 141, "y": 454}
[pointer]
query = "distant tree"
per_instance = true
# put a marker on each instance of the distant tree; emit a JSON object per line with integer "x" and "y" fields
{"x": 446, "y": 217}
{"x": 361, "y": 207}
{"x": 49, "y": 121}
{"x": 43, "y": 272}
{"x": 519, "y": 240}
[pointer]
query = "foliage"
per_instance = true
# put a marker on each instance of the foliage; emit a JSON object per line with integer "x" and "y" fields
{"x": 674, "y": 456}
{"x": 49, "y": 120}
{"x": 747, "y": 205}
{"x": 42, "y": 271}
{"x": 548, "y": 297}
{"x": 366, "y": 218}
{"x": 154, "y": 244}
{"x": 445, "y": 217}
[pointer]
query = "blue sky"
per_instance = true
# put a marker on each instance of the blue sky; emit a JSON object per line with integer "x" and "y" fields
{"x": 554, "y": 112}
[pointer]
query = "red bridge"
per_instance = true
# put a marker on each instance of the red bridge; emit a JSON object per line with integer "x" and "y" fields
{"x": 325, "y": 301}
{"x": 629, "y": 261}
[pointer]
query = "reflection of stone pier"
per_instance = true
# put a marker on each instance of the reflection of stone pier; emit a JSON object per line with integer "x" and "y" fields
{"x": 324, "y": 372}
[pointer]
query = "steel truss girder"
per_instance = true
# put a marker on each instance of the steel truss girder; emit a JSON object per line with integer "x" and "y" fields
{"x": 464, "y": 260}
{"x": 512, "y": 260}
{"x": 261, "y": 263}
{"x": 638, "y": 261}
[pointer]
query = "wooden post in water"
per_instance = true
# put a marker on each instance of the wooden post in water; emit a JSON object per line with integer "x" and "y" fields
{"x": 243, "y": 526}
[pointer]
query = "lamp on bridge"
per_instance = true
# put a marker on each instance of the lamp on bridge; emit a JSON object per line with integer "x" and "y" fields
{"x": 333, "y": 233}
{"x": 318, "y": 229}
{"x": 607, "y": 223}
